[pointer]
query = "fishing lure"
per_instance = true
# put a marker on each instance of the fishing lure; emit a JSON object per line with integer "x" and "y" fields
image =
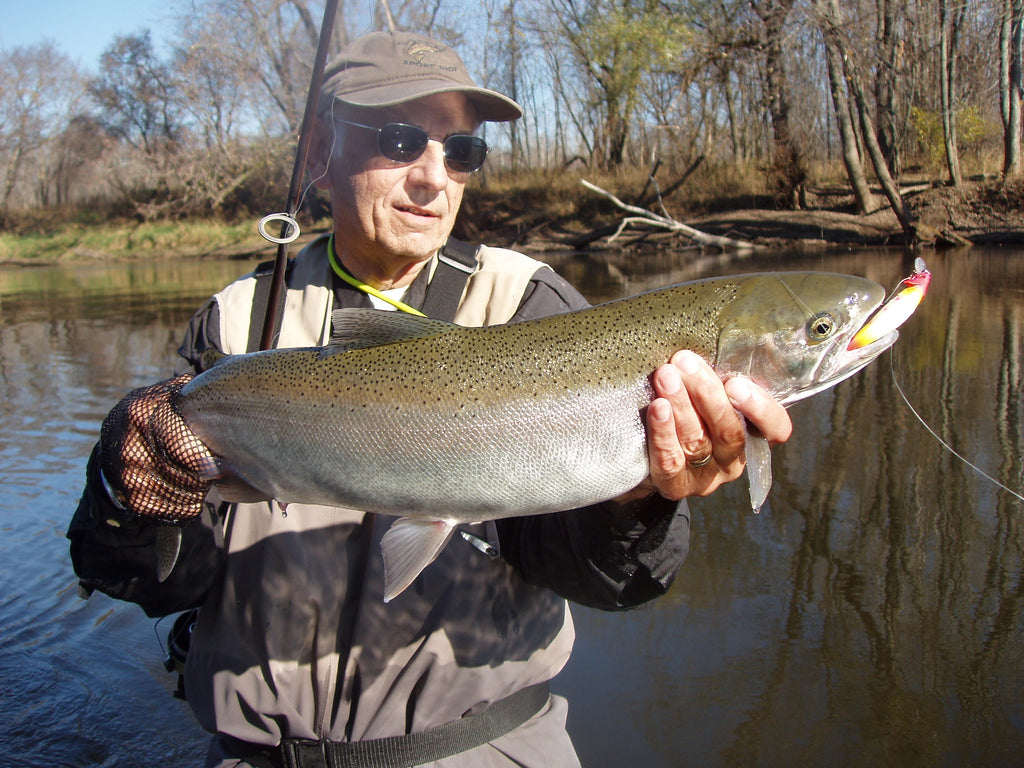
{"x": 900, "y": 306}
{"x": 897, "y": 308}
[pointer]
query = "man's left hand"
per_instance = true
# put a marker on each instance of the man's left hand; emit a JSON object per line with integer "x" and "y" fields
{"x": 695, "y": 438}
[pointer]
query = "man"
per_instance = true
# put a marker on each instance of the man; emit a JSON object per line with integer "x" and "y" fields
{"x": 295, "y": 659}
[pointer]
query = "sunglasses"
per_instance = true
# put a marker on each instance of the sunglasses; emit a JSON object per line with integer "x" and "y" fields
{"x": 404, "y": 143}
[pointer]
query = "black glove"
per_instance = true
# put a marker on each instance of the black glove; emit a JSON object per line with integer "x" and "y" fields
{"x": 152, "y": 463}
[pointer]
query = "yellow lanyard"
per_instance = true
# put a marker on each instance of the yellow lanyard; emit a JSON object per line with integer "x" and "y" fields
{"x": 359, "y": 285}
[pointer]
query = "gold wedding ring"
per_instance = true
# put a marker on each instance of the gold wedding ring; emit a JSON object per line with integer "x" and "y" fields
{"x": 701, "y": 462}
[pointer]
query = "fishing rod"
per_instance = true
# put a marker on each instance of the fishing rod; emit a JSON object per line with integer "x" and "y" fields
{"x": 289, "y": 227}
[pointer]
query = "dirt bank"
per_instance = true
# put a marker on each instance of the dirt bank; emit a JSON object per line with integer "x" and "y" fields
{"x": 985, "y": 212}
{"x": 535, "y": 219}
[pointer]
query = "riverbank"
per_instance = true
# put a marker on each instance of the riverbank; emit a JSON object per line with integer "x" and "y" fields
{"x": 529, "y": 220}
{"x": 985, "y": 212}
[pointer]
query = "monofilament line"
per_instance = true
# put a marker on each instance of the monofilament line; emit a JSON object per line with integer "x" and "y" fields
{"x": 947, "y": 446}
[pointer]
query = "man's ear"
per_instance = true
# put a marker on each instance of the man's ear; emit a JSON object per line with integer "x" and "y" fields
{"x": 321, "y": 146}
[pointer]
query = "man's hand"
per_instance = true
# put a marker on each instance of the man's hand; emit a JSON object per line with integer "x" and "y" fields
{"x": 154, "y": 465}
{"x": 695, "y": 438}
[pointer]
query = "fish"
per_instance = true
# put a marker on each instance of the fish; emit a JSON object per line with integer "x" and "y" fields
{"x": 440, "y": 425}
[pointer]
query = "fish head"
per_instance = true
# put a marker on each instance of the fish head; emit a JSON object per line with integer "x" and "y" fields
{"x": 790, "y": 331}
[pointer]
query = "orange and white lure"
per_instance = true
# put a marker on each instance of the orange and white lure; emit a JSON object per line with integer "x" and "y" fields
{"x": 897, "y": 308}
{"x": 893, "y": 313}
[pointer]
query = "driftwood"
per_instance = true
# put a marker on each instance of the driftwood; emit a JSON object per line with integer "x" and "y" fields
{"x": 642, "y": 215}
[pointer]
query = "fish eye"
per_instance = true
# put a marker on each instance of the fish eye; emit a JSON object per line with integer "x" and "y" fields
{"x": 821, "y": 326}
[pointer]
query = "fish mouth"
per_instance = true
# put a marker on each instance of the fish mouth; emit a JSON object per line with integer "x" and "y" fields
{"x": 844, "y": 364}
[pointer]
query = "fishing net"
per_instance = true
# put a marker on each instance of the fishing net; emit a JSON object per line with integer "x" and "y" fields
{"x": 151, "y": 458}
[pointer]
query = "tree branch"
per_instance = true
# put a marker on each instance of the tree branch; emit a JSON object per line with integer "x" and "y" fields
{"x": 668, "y": 223}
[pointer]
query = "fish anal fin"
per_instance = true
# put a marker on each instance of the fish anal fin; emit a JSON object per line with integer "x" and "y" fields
{"x": 408, "y": 547}
{"x": 759, "y": 468}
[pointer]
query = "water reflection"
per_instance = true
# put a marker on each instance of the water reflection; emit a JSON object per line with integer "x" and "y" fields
{"x": 870, "y": 615}
{"x": 81, "y": 684}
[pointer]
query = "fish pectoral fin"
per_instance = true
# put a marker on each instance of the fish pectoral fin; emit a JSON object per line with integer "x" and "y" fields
{"x": 408, "y": 547}
{"x": 357, "y": 328}
{"x": 759, "y": 468}
{"x": 168, "y": 547}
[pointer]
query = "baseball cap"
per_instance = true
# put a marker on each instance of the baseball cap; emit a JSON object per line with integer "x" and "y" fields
{"x": 382, "y": 69}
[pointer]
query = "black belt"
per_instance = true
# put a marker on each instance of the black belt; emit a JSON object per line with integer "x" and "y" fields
{"x": 462, "y": 735}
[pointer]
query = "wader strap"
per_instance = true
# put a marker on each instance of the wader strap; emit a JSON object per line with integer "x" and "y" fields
{"x": 455, "y": 263}
{"x": 260, "y": 298}
{"x": 462, "y": 735}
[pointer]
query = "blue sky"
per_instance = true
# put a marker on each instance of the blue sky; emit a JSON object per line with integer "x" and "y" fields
{"x": 81, "y": 29}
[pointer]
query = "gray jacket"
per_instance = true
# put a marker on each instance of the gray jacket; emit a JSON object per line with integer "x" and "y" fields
{"x": 293, "y": 639}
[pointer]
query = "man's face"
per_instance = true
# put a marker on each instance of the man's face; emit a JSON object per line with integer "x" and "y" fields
{"x": 388, "y": 216}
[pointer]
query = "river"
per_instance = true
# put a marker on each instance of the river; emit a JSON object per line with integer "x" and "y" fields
{"x": 871, "y": 615}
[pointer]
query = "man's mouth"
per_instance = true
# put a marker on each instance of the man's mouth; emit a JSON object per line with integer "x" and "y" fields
{"x": 417, "y": 211}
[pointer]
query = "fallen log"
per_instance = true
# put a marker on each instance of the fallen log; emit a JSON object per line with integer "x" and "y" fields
{"x": 669, "y": 224}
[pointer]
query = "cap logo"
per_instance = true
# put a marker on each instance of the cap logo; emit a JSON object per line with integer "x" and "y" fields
{"x": 418, "y": 50}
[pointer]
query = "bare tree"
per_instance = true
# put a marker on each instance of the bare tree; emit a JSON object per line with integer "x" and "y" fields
{"x": 789, "y": 172}
{"x": 950, "y": 23}
{"x": 135, "y": 94}
{"x": 66, "y": 169}
{"x": 854, "y": 71}
{"x": 613, "y": 45}
{"x": 828, "y": 22}
{"x": 890, "y": 49}
{"x": 272, "y": 43}
{"x": 37, "y": 93}
{"x": 1011, "y": 82}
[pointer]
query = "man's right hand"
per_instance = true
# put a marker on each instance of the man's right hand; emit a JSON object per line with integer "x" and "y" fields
{"x": 152, "y": 462}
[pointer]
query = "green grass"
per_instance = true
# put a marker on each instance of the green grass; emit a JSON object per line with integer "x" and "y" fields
{"x": 120, "y": 240}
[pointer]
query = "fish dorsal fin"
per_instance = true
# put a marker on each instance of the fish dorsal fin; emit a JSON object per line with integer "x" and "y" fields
{"x": 362, "y": 328}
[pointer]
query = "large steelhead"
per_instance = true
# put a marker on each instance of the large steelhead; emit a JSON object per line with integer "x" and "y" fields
{"x": 440, "y": 424}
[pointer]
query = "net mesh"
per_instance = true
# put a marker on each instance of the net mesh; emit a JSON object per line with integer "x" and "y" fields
{"x": 151, "y": 458}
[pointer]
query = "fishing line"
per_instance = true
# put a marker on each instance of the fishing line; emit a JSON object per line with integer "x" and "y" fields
{"x": 943, "y": 443}
{"x": 330, "y": 156}
{"x": 291, "y": 234}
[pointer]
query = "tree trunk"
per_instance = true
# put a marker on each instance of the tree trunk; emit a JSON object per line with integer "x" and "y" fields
{"x": 788, "y": 168}
{"x": 892, "y": 192}
{"x": 828, "y": 20}
{"x": 1010, "y": 84}
{"x": 889, "y": 46}
{"x": 949, "y": 32}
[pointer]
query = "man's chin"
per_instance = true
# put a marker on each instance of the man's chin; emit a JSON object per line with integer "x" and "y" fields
{"x": 417, "y": 246}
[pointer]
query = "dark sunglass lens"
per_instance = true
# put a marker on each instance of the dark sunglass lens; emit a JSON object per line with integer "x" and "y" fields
{"x": 401, "y": 143}
{"x": 465, "y": 154}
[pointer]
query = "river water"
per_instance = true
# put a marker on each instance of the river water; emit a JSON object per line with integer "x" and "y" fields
{"x": 871, "y": 615}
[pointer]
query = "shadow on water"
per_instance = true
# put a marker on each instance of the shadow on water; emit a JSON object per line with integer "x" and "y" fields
{"x": 869, "y": 616}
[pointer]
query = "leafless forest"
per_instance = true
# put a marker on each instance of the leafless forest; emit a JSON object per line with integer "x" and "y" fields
{"x": 790, "y": 92}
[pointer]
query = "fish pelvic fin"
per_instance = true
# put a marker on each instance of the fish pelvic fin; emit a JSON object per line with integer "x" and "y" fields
{"x": 408, "y": 547}
{"x": 759, "y": 468}
{"x": 168, "y": 547}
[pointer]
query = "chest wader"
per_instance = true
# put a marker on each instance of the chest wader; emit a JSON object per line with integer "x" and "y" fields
{"x": 456, "y": 262}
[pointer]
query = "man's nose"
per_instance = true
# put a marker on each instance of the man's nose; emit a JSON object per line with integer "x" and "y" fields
{"x": 429, "y": 169}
